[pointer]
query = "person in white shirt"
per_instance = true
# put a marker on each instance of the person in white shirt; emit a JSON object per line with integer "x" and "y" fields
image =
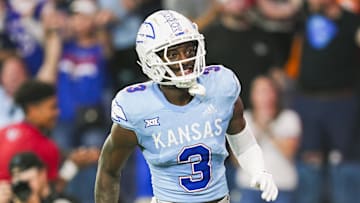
{"x": 277, "y": 131}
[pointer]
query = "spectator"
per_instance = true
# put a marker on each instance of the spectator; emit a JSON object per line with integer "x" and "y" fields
{"x": 326, "y": 101}
{"x": 80, "y": 75}
{"x": 23, "y": 24}
{"x": 12, "y": 75}
{"x": 14, "y": 71}
{"x": 279, "y": 19}
{"x": 277, "y": 131}
{"x": 236, "y": 43}
{"x": 125, "y": 23}
{"x": 38, "y": 102}
{"x": 29, "y": 181}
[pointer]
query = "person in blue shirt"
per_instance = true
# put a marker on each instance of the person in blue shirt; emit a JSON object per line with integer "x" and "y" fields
{"x": 181, "y": 119}
{"x": 23, "y": 24}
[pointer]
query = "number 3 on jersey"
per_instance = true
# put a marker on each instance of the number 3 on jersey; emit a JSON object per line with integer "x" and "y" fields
{"x": 201, "y": 168}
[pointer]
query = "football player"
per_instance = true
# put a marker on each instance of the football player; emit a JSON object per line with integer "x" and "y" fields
{"x": 181, "y": 120}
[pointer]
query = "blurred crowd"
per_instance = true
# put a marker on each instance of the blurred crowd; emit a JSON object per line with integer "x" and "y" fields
{"x": 62, "y": 61}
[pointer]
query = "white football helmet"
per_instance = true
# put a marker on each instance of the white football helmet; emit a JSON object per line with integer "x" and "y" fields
{"x": 160, "y": 31}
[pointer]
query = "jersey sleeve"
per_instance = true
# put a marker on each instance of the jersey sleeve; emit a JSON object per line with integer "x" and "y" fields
{"x": 222, "y": 82}
{"x": 121, "y": 111}
{"x": 232, "y": 85}
{"x": 132, "y": 104}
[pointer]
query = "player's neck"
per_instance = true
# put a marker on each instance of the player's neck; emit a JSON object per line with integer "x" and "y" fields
{"x": 176, "y": 96}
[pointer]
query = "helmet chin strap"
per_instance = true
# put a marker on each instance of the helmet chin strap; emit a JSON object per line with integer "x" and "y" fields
{"x": 197, "y": 89}
{"x": 194, "y": 88}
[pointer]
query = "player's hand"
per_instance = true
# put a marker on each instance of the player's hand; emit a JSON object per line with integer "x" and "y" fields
{"x": 264, "y": 182}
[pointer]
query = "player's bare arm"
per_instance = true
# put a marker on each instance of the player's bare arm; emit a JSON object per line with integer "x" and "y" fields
{"x": 116, "y": 150}
{"x": 237, "y": 122}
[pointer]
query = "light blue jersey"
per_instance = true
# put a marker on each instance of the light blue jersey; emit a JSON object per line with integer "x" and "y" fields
{"x": 183, "y": 145}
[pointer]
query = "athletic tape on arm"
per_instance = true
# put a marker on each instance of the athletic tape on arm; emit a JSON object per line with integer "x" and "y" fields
{"x": 247, "y": 151}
